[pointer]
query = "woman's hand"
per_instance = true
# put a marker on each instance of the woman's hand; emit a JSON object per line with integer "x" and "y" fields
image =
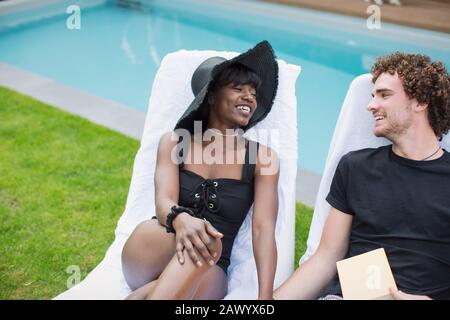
{"x": 195, "y": 233}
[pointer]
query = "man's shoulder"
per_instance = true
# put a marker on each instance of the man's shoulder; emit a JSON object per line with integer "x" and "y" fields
{"x": 366, "y": 155}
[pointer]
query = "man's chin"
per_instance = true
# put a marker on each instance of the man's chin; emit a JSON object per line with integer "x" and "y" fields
{"x": 378, "y": 133}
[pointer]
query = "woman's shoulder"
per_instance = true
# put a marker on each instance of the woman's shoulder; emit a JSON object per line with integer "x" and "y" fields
{"x": 169, "y": 140}
{"x": 267, "y": 159}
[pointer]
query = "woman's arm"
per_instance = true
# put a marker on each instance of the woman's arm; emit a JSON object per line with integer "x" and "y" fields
{"x": 166, "y": 178}
{"x": 265, "y": 210}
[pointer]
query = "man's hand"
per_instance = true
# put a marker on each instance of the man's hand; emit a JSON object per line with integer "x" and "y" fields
{"x": 398, "y": 295}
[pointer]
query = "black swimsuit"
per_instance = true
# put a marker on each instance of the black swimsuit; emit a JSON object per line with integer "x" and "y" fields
{"x": 224, "y": 202}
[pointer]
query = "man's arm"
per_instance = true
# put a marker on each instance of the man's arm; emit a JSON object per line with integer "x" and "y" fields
{"x": 310, "y": 279}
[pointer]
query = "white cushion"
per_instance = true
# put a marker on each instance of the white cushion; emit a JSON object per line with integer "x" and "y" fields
{"x": 171, "y": 94}
{"x": 354, "y": 131}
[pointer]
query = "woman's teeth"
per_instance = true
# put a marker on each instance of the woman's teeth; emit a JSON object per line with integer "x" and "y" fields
{"x": 244, "y": 108}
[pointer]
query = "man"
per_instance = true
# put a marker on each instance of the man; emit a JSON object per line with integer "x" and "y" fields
{"x": 396, "y": 197}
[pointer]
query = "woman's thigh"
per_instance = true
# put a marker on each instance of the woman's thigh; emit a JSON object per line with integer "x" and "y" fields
{"x": 146, "y": 253}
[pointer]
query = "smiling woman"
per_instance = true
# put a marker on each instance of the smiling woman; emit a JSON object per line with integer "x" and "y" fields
{"x": 202, "y": 214}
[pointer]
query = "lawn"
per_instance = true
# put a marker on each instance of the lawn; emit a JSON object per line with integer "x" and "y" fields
{"x": 63, "y": 186}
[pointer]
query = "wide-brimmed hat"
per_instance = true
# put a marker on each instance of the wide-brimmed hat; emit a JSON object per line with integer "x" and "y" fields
{"x": 260, "y": 59}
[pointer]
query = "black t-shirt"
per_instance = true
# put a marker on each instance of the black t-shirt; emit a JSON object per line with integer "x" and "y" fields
{"x": 400, "y": 205}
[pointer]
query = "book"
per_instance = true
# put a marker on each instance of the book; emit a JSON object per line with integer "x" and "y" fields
{"x": 366, "y": 276}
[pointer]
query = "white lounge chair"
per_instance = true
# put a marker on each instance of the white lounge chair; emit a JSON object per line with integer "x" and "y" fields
{"x": 354, "y": 131}
{"x": 171, "y": 94}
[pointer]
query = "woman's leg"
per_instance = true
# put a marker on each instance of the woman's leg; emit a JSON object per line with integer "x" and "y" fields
{"x": 150, "y": 249}
{"x": 146, "y": 253}
{"x": 182, "y": 281}
{"x": 213, "y": 286}
{"x": 142, "y": 292}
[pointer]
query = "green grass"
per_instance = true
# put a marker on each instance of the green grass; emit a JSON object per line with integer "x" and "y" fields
{"x": 63, "y": 186}
{"x": 303, "y": 216}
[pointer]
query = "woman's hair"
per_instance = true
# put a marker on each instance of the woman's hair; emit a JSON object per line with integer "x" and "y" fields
{"x": 428, "y": 82}
{"x": 235, "y": 73}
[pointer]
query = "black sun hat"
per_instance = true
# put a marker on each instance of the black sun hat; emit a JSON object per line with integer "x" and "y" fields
{"x": 260, "y": 59}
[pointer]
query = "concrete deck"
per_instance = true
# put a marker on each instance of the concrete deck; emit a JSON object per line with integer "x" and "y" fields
{"x": 426, "y": 14}
{"x": 111, "y": 114}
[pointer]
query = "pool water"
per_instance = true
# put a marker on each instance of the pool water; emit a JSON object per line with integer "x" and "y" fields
{"x": 118, "y": 50}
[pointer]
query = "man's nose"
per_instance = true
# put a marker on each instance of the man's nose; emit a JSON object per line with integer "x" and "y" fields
{"x": 372, "y": 106}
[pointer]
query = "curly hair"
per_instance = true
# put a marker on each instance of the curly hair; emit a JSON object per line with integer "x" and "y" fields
{"x": 426, "y": 81}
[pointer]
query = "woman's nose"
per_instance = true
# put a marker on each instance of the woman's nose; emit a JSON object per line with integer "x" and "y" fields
{"x": 248, "y": 95}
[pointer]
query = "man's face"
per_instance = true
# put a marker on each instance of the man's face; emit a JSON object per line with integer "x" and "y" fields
{"x": 392, "y": 109}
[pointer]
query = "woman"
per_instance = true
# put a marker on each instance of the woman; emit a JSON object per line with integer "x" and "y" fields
{"x": 185, "y": 253}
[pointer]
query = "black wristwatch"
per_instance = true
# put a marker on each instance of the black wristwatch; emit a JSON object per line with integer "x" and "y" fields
{"x": 174, "y": 211}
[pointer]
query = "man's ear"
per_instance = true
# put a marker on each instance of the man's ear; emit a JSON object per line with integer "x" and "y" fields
{"x": 421, "y": 107}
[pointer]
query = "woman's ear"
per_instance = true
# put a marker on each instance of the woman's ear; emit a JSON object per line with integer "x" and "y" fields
{"x": 211, "y": 99}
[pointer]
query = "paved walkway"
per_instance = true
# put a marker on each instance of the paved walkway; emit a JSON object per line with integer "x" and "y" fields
{"x": 111, "y": 114}
{"x": 427, "y": 14}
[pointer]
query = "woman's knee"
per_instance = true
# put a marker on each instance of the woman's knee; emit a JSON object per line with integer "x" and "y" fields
{"x": 145, "y": 254}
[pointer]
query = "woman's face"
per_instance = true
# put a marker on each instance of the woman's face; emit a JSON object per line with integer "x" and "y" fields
{"x": 235, "y": 104}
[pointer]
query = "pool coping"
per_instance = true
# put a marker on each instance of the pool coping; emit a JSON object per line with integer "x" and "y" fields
{"x": 102, "y": 111}
{"x": 111, "y": 114}
{"x": 423, "y": 14}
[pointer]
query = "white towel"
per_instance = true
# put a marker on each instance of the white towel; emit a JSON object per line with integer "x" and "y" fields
{"x": 171, "y": 94}
{"x": 354, "y": 131}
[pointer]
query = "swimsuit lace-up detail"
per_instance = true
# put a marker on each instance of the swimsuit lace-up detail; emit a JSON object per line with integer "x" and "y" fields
{"x": 206, "y": 195}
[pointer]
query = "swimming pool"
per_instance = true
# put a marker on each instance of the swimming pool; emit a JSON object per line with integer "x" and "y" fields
{"x": 117, "y": 51}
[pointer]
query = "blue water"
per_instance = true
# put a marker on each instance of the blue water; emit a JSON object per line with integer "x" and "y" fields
{"x": 117, "y": 51}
